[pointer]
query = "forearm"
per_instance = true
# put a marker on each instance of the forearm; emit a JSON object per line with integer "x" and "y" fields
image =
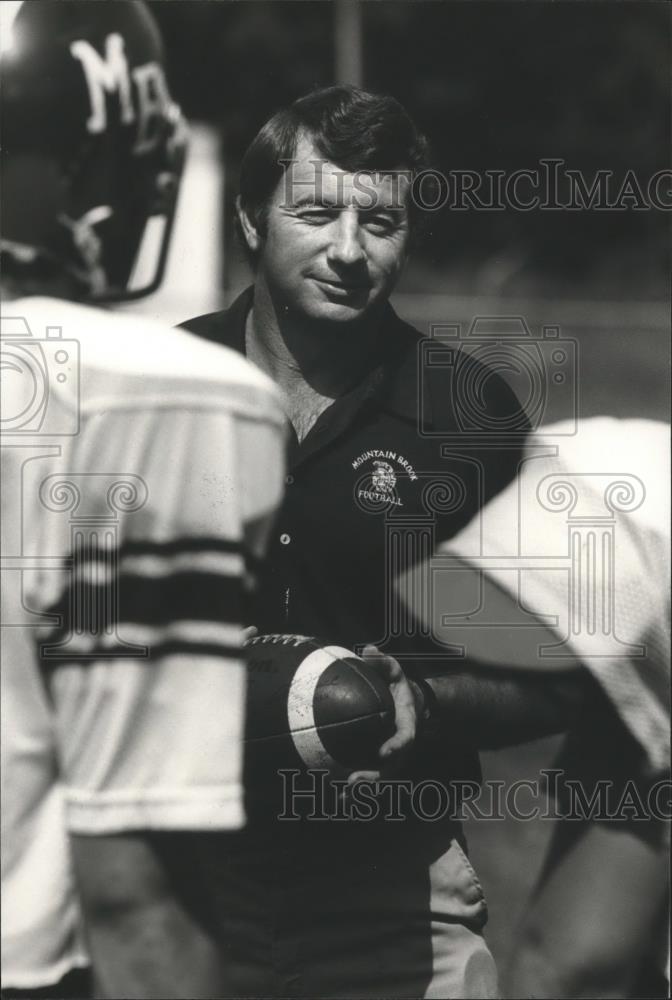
{"x": 144, "y": 940}
{"x": 152, "y": 950}
{"x": 489, "y": 711}
{"x": 585, "y": 932}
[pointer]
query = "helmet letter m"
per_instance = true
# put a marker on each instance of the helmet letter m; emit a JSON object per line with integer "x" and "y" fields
{"x": 109, "y": 74}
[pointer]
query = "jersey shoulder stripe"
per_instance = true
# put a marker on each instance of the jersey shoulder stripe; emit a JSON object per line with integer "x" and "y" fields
{"x": 135, "y": 599}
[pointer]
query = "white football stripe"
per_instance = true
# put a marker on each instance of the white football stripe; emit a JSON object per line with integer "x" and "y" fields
{"x": 300, "y": 714}
{"x": 151, "y": 635}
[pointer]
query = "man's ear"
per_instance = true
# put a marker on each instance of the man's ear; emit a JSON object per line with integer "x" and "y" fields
{"x": 247, "y": 228}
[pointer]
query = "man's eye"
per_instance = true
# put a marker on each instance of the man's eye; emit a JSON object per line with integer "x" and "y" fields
{"x": 380, "y": 223}
{"x": 317, "y": 216}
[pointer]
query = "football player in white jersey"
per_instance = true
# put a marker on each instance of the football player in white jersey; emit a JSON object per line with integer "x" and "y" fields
{"x": 141, "y": 468}
{"x": 570, "y": 564}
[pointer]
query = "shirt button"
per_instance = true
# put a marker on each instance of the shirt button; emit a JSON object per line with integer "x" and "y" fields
{"x": 285, "y": 539}
{"x": 289, "y": 479}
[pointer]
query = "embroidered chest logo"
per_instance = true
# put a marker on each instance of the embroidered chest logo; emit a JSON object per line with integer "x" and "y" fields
{"x": 383, "y": 478}
{"x": 376, "y": 488}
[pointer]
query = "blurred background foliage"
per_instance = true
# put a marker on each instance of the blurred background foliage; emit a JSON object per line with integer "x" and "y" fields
{"x": 495, "y": 85}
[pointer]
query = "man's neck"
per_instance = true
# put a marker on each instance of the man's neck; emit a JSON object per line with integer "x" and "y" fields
{"x": 327, "y": 358}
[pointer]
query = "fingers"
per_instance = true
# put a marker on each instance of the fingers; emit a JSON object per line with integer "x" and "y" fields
{"x": 404, "y": 701}
{"x": 370, "y": 776}
{"x": 405, "y": 720}
{"x": 387, "y": 666}
{"x": 402, "y": 740}
{"x": 404, "y": 705}
{"x": 249, "y": 633}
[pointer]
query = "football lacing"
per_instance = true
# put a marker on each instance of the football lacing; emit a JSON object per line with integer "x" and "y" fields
{"x": 279, "y": 639}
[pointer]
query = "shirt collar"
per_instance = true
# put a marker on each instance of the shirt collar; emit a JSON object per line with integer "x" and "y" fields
{"x": 402, "y": 390}
{"x": 395, "y": 385}
{"x": 234, "y": 319}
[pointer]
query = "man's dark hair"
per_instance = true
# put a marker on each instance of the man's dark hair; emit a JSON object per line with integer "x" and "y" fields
{"x": 352, "y": 128}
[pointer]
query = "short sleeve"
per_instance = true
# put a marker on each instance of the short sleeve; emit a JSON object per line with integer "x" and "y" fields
{"x": 145, "y": 670}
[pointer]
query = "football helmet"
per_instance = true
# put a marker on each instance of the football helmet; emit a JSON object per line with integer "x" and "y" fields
{"x": 93, "y": 146}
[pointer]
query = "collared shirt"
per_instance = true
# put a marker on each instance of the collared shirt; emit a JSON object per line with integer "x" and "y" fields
{"x": 389, "y": 470}
{"x": 383, "y": 476}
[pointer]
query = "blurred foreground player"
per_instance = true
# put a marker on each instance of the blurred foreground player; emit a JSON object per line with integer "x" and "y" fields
{"x": 140, "y": 468}
{"x": 580, "y": 542}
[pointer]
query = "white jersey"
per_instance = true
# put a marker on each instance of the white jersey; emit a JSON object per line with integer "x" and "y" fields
{"x": 141, "y": 467}
{"x": 580, "y": 542}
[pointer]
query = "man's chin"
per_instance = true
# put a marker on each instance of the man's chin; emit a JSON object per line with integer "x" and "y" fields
{"x": 356, "y": 308}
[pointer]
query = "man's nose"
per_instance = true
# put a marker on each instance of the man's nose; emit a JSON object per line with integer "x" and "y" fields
{"x": 346, "y": 246}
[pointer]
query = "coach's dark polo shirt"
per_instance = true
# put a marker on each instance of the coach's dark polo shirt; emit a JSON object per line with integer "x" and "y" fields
{"x": 385, "y": 474}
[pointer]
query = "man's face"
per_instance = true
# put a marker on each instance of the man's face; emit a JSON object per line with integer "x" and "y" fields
{"x": 335, "y": 241}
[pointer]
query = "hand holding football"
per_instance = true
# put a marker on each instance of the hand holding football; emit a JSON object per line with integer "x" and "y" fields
{"x": 313, "y": 706}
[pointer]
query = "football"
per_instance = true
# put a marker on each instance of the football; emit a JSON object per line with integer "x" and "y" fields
{"x": 311, "y": 705}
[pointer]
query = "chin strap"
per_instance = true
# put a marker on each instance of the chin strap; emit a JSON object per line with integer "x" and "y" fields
{"x": 34, "y": 271}
{"x": 32, "y": 266}
{"x": 89, "y": 246}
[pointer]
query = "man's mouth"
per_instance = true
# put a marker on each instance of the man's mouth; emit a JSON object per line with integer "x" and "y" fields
{"x": 343, "y": 285}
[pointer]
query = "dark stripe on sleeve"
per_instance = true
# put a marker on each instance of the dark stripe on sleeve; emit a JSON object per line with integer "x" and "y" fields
{"x": 90, "y": 608}
{"x": 180, "y": 597}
